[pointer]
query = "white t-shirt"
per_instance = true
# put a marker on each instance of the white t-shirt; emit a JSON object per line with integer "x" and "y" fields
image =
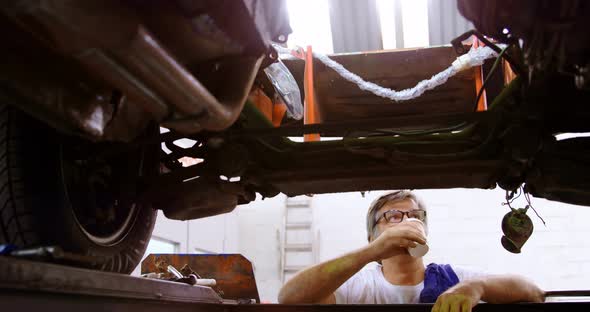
{"x": 370, "y": 286}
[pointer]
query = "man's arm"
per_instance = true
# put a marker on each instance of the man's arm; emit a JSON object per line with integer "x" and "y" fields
{"x": 510, "y": 289}
{"x": 318, "y": 283}
{"x": 492, "y": 289}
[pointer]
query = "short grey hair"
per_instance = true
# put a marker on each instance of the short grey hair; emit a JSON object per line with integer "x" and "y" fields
{"x": 384, "y": 199}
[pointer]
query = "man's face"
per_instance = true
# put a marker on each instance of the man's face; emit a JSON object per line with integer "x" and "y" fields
{"x": 407, "y": 204}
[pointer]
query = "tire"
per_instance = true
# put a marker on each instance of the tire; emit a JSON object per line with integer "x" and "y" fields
{"x": 43, "y": 205}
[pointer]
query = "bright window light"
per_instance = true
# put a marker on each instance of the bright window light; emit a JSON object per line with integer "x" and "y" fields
{"x": 565, "y": 136}
{"x": 386, "y": 10}
{"x": 414, "y": 23}
{"x": 310, "y": 22}
{"x": 300, "y": 139}
{"x": 296, "y": 139}
{"x": 415, "y": 20}
{"x": 185, "y": 143}
{"x": 159, "y": 245}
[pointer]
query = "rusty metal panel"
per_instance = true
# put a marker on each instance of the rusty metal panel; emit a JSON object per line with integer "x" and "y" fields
{"x": 233, "y": 272}
{"x": 371, "y": 176}
{"x": 123, "y": 48}
{"x": 340, "y": 100}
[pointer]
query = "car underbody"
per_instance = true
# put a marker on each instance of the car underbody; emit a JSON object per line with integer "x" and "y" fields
{"x": 106, "y": 75}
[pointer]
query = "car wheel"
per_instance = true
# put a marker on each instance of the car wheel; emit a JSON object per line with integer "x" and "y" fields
{"x": 57, "y": 190}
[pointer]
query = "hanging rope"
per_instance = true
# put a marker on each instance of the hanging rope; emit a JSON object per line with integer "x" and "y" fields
{"x": 475, "y": 57}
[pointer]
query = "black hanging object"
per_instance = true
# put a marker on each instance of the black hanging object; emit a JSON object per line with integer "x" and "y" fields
{"x": 517, "y": 228}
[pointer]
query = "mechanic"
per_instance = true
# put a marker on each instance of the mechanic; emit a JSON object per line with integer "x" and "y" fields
{"x": 400, "y": 278}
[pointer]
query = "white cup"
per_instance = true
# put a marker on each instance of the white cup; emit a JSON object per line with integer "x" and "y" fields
{"x": 420, "y": 250}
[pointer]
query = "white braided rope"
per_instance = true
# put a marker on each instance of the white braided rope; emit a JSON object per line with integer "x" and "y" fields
{"x": 475, "y": 57}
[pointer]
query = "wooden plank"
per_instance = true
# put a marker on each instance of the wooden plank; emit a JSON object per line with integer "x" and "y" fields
{"x": 340, "y": 100}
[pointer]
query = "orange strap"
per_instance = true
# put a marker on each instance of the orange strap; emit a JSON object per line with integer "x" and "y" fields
{"x": 309, "y": 109}
{"x": 509, "y": 74}
{"x": 278, "y": 112}
{"x": 482, "y": 104}
{"x": 262, "y": 102}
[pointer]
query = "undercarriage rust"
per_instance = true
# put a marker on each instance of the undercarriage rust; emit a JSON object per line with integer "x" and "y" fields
{"x": 118, "y": 54}
{"x": 106, "y": 70}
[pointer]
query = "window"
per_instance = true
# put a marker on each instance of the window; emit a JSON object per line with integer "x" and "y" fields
{"x": 413, "y": 21}
{"x": 310, "y": 22}
{"x": 202, "y": 251}
{"x": 160, "y": 245}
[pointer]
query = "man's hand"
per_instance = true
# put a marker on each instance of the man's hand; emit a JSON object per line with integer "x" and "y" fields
{"x": 396, "y": 239}
{"x": 491, "y": 289}
{"x": 459, "y": 298}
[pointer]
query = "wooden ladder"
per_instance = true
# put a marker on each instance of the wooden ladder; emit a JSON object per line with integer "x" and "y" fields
{"x": 299, "y": 244}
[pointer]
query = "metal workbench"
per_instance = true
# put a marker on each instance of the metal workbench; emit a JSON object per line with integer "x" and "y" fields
{"x": 36, "y": 286}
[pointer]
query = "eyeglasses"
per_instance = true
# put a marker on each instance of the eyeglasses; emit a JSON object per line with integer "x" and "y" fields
{"x": 396, "y": 216}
